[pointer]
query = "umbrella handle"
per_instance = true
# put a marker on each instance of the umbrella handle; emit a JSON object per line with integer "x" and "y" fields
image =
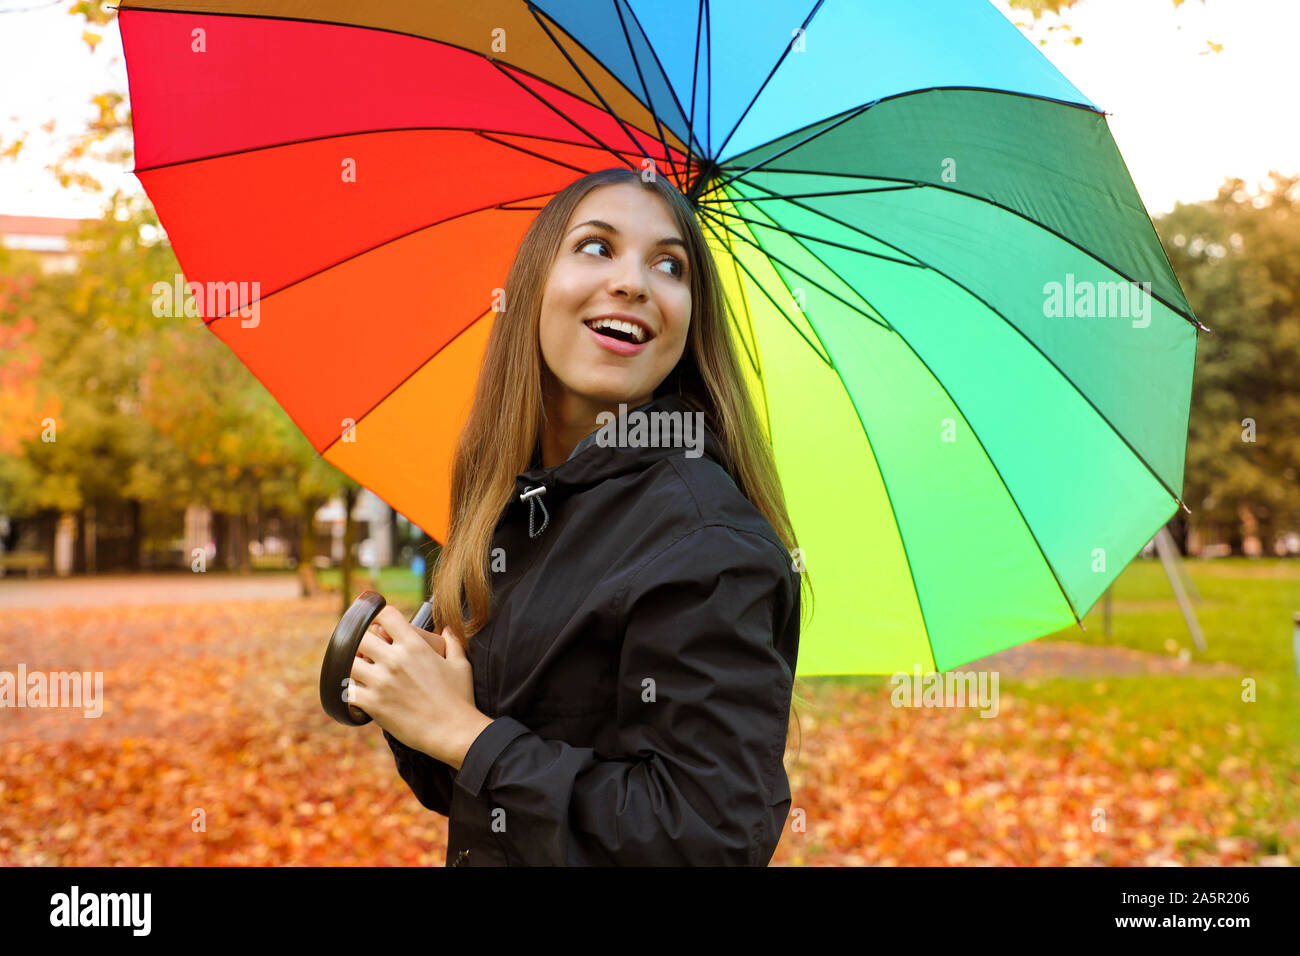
{"x": 341, "y": 652}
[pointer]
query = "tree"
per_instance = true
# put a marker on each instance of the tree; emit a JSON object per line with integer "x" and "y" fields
{"x": 154, "y": 408}
{"x": 1238, "y": 259}
{"x": 74, "y": 459}
{"x": 1058, "y": 7}
{"x": 26, "y": 409}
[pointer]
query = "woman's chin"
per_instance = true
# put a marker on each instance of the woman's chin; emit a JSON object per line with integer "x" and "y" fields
{"x": 607, "y": 393}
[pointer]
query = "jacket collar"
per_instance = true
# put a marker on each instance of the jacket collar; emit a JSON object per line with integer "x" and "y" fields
{"x": 592, "y": 461}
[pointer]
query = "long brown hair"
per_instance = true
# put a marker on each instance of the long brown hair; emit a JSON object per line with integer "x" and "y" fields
{"x": 508, "y": 414}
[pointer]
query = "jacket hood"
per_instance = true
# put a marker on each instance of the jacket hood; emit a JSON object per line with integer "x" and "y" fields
{"x": 633, "y": 441}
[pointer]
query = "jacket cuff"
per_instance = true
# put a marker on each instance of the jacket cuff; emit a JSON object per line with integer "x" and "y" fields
{"x": 395, "y": 745}
{"x": 485, "y": 749}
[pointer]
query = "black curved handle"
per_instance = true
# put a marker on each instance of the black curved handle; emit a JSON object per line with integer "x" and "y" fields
{"x": 341, "y": 653}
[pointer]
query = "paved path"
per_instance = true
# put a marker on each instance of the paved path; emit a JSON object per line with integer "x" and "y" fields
{"x": 177, "y": 588}
{"x": 1040, "y": 658}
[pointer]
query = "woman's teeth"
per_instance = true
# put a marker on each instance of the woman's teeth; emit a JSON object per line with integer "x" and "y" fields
{"x": 618, "y": 329}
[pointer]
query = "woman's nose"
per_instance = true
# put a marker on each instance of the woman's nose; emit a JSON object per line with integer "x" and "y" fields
{"x": 629, "y": 281}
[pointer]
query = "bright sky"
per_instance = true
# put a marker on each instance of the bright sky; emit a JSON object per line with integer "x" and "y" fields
{"x": 1184, "y": 119}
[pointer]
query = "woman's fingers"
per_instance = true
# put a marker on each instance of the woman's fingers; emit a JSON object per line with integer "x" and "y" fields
{"x": 372, "y": 646}
{"x": 361, "y": 669}
{"x": 398, "y": 624}
{"x": 433, "y": 640}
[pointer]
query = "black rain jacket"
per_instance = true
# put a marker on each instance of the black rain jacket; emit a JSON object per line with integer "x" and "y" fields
{"x": 638, "y": 661}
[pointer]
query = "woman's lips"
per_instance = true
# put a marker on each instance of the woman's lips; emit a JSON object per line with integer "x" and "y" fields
{"x": 617, "y": 346}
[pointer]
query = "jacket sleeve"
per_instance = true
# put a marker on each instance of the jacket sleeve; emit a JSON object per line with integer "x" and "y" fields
{"x": 429, "y": 778}
{"x": 702, "y": 708}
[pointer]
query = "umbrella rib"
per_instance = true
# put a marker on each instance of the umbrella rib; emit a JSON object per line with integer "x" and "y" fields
{"x": 991, "y": 202}
{"x": 654, "y": 113}
{"x": 928, "y": 89}
{"x": 914, "y": 263}
{"x": 998, "y": 312}
{"x": 759, "y": 92}
{"x": 361, "y": 132}
{"x": 681, "y": 111}
{"x": 822, "y": 262}
{"x": 753, "y": 359}
{"x": 996, "y": 470}
{"x": 708, "y": 80}
{"x": 821, "y": 352}
{"x": 857, "y": 413}
{"x": 350, "y": 26}
{"x": 372, "y": 248}
{"x": 827, "y": 242}
{"x": 532, "y": 8}
{"x": 775, "y": 258}
{"x": 559, "y": 112}
{"x": 529, "y": 152}
{"x": 695, "y": 75}
{"x": 1024, "y": 520}
{"x": 406, "y": 378}
{"x": 837, "y": 192}
{"x": 851, "y": 114}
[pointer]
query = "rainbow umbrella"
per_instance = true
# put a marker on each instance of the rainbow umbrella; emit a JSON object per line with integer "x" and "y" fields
{"x": 973, "y": 359}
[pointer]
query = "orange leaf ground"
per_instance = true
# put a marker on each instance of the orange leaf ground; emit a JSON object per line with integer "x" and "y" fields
{"x": 211, "y": 714}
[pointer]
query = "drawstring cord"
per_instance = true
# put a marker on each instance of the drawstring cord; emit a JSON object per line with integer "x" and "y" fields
{"x": 528, "y": 496}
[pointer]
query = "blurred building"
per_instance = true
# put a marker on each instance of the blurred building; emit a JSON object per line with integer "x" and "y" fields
{"x": 47, "y": 236}
{"x": 375, "y": 525}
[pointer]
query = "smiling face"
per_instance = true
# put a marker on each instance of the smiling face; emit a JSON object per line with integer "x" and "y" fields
{"x": 630, "y": 261}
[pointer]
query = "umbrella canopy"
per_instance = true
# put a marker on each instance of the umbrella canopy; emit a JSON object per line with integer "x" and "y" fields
{"x": 970, "y": 353}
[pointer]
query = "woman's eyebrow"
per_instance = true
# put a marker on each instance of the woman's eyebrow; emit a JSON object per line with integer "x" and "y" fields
{"x": 669, "y": 241}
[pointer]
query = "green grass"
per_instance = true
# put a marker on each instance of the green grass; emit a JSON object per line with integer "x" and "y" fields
{"x": 1245, "y": 611}
{"x": 399, "y": 586}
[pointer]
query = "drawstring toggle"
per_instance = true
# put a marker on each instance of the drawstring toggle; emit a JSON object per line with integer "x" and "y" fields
{"x": 529, "y": 495}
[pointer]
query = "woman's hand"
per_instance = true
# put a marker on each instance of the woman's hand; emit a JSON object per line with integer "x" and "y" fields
{"x": 420, "y": 696}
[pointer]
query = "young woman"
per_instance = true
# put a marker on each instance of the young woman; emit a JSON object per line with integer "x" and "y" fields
{"x": 619, "y": 616}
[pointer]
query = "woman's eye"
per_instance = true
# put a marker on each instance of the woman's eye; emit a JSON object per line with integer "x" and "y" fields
{"x": 594, "y": 241}
{"x": 671, "y": 262}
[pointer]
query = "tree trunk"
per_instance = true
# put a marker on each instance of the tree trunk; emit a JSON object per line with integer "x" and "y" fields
{"x": 1195, "y": 536}
{"x": 221, "y": 535}
{"x": 241, "y": 532}
{"x": 394, "y": 547}
{"x": 1265, "y": 532}
{"x": 309, "y": 582}
{"x": 1232, "y": 529}
{"x": 1179, "y": 527}
{"x": 1248, "y": 529}
{"x": 133, "y": 558}
{"x": 349, "y": 538}
{"x": 256, "y": 531}
{"x": 88, "y": 538}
